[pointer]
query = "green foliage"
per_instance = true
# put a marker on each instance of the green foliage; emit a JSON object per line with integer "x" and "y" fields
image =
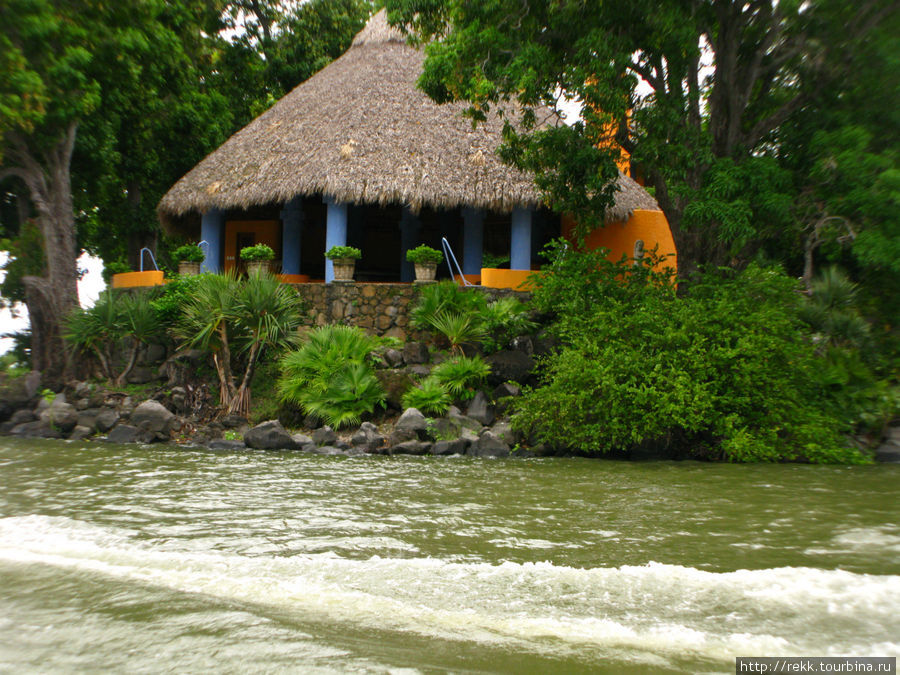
{"x": 444, "y": 297}
{"x": 492, "y": 261}
{"x": 190, "y": 253}
{"x": 504, "y": 319}
{"x": 169, "y": 299}
{"x": 429, "y": 397}
{"x": 26, "y": 258}
{"x": 461, "y": 375}
{"x": 110, "y": 269}
{"x": 424, "y": 255}
{"x": 458, "y": 329}
{"x": 257, "y": 252}
{"x": 331, "y": 376}
{"x": 727, "y": 372}
{"x": 337, "y": 252}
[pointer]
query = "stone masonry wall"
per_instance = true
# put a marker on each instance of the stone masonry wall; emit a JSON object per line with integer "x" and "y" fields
{"x": 379, "y": 308}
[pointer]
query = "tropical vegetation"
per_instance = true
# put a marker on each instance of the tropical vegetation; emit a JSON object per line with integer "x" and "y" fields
{"x": 339, "y": 252}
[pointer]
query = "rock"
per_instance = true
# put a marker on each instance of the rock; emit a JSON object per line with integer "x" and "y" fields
{"x": 224, "y": 444}
{"x": 489, "y": 445}
{"x": 124, "y": 433}
{"x": 36, "y": 429}
{"x": 411, "y": 448}
{"x": 106, "y": 419}
{"x": 79, "y": 433}
{"x": 504, "y": 432}
{"x": 154, "y": 417}
{"x": 324, "y": 436}
{"x": 394, "y": 358}
{"x": 395, "y": 384}
{"x": 505, "y": 390}
{"x": 509, "y": 365}
{"x": 233, "y": 421}
{"x": 301, "y": 439}
{"x": 143, "y": 375}
{"x": 412, "y": 420}
{"x": 889, "y": 451}
{"x": 420, "y": 371}
{"x": 311, "y": 422}
{"x": 22, "y": 416}
{"x": 153, "y": 354}
{"x": 367, "y": 438}
{"x": 454, "y": 447}
{"x": 415, "y": 353}
{"x": 465, "y": 422}
{"x": 269, "y": 435}
{"x": 523, "y": 344}
{"x": 18, "y": 392}
{"x": 480, "y": 409}
{"x": 327, "y": 450}
{"x": 60, "y": 415}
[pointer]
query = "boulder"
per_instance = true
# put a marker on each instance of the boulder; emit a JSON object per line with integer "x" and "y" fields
{"x": 523, "y": 344}
{"x": 324, "y": 436}
{"x": 22, "y": 416}
{"x": 465, "y": 422}
{"x": 79, "y": 433}
{"x": 395, "y": 384}
{"x": 36, "y": 429}
{"x": 420, "y": 371}
{"x": 367, "y": 438}
{"x": 509, "y": 365}
{"x": 480, "y": 409}
{"x": 154, "y": 417}
{"x": 301, "y": 439}
{"x": 889, "y": 451}
{"x": 125, "y": 433}
{"x": 393, "y": 358}
{"x": 504, "y": 432}
{"x": 106, "y": 419}
{"x": 224, "y": 444}
{"x": 60, "y": 415}
{"x": 454, "y": 447}
{"x": 233, "y": 421}
{"x": 415, "y": 353}
{"x": 18, "y": 392}
{"x": 412, "y": 420}
{"x": 503, "y": 396}
{"x": 411, "y": 448}
{"x": 269, "y": 435}
{"x": 328, "y": 450}
{"x": 489, "y": 445}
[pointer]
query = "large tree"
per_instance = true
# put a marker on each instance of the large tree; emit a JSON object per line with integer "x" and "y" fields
{"x": 694, "y": 90}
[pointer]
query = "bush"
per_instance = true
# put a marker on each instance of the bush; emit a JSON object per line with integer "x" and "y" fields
{"x": 331, "y": 375}
{"x": 424, "y": 255}
{"x": 336, "y": 252}
{"x": 728, "y": 372}
{"x": 189, "y": 253}
{"x": 256, "y": 253}
{"x": 461, "y": 376}
{"x": 429, "y": 397}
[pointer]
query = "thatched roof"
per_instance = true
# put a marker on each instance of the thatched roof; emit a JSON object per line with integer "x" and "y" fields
{"x": 360, "y": 131}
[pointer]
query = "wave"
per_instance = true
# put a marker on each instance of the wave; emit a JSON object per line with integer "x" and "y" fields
{"x": 655, "y": 610}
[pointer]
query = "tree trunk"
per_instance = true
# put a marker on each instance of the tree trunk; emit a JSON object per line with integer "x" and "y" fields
{"x": 52, "y": 297}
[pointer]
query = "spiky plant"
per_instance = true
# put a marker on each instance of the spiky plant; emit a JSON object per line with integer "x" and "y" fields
{"x": 459, "y": 329}
{"x": 331, "y": 376}
{"x": 429, "y": 397}
{"x": 461, "y": 375}
{"x": 504, "y": 319}
{"x": 443, "y": 297}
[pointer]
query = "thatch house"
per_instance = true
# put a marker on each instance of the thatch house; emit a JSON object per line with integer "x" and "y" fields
{"x": 358, "y": 155}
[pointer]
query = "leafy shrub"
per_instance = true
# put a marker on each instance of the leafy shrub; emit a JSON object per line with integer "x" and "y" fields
{"x": 331, "y": 376}
{"x": 461, "y": 375}
{"x": 727, "y": 372}
{"x": 189, "y": 253}
{"x": 503, "y": 319}
{"x": 112, "y": 268}
{"x": 336, "y": 252}
{"x": 424, "y": 255}
{"x": 259, "y": 252}
{"x": 429, "y": 397}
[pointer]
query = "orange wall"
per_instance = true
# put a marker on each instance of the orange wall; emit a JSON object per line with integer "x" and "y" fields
{"x": 649, "y": 226}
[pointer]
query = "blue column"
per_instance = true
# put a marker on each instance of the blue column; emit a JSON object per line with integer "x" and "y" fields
{"x": 211, "y": 231}
{"x": 409, "y": 234}
{"x": 335, "y": 231}
{"x": 291, "y": 231}
{"x": 473, "y": 240}
{"x": 520, "y": 240}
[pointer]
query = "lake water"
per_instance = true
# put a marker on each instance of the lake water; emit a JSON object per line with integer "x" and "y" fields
{"x": 161, "y": 559}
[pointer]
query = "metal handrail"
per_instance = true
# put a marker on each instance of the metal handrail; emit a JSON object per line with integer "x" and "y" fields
{"x": 448, "y": 254}
{"x": 152, "y": 259}
{"x": 200, "y": 246}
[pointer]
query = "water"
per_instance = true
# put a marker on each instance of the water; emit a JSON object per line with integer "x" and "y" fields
{"x": 160, "y": 559}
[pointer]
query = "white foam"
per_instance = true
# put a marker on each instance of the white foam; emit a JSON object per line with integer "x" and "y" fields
{"x": 655, "y": 610}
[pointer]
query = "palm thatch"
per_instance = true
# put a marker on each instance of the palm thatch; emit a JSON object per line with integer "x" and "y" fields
{"x": 360, "y": 131}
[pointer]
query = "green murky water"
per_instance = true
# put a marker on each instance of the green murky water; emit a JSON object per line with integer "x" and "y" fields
{"x": 159, "y": 559}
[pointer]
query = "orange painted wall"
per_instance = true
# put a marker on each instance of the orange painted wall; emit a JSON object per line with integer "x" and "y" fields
{"x": 649, "y": 226}
{"x": 263, "y": 231}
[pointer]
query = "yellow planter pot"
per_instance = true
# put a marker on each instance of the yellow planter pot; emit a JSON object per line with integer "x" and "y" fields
{"x": 138, "y": 279}
{"x": 514, "y": 279}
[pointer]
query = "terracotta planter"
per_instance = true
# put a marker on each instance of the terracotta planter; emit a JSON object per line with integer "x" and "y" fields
{"x": 257, "y": 266}
{"x": 188, "y": 269}
{"x": 425, "y": 272}
{"x": 343, "y": 268}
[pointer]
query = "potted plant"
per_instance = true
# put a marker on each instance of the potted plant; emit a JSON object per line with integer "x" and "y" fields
{"x": 343, "y": 258}
{"x": 189, "y": 258}
{"x": 426, "y": 260}
{"x": 257, "y": 258}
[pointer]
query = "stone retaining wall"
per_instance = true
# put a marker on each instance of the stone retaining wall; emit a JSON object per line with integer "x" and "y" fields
{"x": 379, "y": 308}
